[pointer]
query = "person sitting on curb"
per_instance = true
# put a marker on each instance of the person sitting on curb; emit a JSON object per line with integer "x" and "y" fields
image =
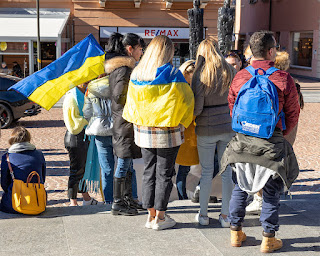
{"x": 24, "y": 158}
{"x": 271, "y": 163}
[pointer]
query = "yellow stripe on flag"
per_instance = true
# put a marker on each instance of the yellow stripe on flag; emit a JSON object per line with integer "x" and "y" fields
{"x": 50, "y": 92}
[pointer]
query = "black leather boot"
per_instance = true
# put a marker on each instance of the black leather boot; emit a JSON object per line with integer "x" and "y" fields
{"x": 119, "y": 205}
{"x": 128, "y": 193}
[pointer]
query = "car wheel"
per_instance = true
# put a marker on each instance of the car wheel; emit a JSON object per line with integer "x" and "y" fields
{"x": 6, "y": 116}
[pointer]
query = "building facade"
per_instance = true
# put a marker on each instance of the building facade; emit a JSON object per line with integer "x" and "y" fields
{"x": 296, "y": 24}
{"x": 147, "y": 18}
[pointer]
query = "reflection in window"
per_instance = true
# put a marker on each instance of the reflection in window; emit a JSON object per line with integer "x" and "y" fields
{"x": 15, "y": 47}
{"x": 302, "y": 49}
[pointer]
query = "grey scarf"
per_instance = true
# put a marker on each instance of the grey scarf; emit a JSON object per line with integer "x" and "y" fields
{"x": 22, "y": 146}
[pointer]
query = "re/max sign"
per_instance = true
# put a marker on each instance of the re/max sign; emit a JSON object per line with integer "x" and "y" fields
{"x": 151, "y": 32}
{"x": 147, "y": 32}
{"x": 164, "y": 32}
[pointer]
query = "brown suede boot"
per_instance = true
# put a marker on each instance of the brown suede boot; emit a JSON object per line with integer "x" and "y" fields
{"x": 270, "y": 243}
{"x": 237, "y": 236}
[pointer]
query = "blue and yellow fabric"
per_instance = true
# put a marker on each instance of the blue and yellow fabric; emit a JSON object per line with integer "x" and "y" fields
{"x": 83, "y": 62}
{"x": 72, "y": 111}
{"x": 167, "y": 101}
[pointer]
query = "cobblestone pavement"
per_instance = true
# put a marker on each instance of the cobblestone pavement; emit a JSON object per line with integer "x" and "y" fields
{"x": 47, "y": 130}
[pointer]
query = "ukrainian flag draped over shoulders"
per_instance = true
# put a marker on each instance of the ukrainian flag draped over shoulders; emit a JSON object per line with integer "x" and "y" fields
{"x": 81, "y": 63}
{"x": 166, "y": 101}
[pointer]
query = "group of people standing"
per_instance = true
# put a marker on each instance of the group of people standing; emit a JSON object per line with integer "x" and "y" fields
{"x": 167, "y": 116}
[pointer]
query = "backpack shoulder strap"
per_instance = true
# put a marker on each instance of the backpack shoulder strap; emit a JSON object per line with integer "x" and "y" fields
{"x": 271, "y": 70}
{"x": 251, "y": 70}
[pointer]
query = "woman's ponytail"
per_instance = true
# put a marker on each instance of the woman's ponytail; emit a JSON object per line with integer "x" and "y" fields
{"x": 115, "y": 44}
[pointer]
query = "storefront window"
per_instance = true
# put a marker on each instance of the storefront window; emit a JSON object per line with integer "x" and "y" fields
{"x": 302, "y": 49}
{"x": 14, "y": 47}
{"x": 48, "y": 54}
{"x": 181, "y": 54}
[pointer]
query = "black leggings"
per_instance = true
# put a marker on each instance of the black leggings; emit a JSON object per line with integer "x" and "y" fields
{"x": 77, "y": 149}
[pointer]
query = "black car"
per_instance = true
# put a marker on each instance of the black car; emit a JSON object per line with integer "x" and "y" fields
{"x": 13, "y": 105}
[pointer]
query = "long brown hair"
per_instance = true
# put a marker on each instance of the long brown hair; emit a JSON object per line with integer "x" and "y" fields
{"x": 215, "y": 70}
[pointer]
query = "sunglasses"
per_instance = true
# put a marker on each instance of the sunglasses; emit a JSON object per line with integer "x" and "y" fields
{"x": 277, "y": 46}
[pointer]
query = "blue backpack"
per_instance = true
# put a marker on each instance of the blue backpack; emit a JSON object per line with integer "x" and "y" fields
{"x": 255, "y": 111}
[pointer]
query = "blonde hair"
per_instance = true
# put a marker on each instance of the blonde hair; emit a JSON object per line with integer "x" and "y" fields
{"x": 19, "y": 134}
{"x": 188, "y": 67}
{"x": 248, "y": 54}
{"x": 282, "y": 60}
{"x": 216, "y": 69}
{"x": 159, "y": 52}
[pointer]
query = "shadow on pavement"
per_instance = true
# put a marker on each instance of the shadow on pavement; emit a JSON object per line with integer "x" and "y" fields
{"x": 296, "y": 244}
{"x": 40, "y": 123}
{"x": 54, "y": 212}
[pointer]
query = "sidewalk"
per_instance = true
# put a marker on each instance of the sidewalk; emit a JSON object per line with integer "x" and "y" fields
{"x": 93, "y": 231}
{"x": 310, "y": 90}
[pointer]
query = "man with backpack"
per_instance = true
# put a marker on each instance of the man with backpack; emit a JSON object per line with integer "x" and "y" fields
{"x": 264, "y": 106}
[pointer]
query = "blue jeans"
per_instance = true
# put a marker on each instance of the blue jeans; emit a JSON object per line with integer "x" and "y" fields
{"x": 123, "y": 166}
{"x": 206, "y": 149}
{"x": 106, "y": 161}
{"x": 269, "y": 217}
{"x": 181, "y": 181}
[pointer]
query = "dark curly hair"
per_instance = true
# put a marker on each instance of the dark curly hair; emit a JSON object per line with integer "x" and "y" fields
{"x": 261, "y": 42}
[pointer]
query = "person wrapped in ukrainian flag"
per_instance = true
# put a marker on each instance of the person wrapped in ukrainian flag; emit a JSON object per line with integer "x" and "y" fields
{"x": 160, "y": 104}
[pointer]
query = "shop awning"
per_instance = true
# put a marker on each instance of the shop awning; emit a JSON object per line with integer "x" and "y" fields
{"x": 21, "y": 23}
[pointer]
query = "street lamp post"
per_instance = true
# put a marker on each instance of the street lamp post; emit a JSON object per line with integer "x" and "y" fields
{"x": 38, "y": 37}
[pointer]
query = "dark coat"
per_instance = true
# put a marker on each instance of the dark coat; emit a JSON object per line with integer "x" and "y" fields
{"x": 119, "y": 69}
{"x": 275, "y": 153}
{"x": 23, "y": 163}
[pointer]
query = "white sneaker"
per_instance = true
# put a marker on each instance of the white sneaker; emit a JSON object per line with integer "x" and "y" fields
{"x": 224, "y": 222}
{"x": 150, "y": 222}
{"x": 202, "y": 220}
{"x": 92, "y": 201}
{"x": 255, "y": 206}
{"x": 167, "y": 223}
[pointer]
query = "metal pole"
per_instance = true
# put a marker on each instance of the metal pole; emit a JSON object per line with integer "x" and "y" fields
{"x": 38, "y": 37}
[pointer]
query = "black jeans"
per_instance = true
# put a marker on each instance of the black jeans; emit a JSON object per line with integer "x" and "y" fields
{"x": 77, "y": 149}
{"x": 159, "y": 169}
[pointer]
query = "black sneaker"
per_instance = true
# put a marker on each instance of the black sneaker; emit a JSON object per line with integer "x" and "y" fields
{"x": 213, "y": 199}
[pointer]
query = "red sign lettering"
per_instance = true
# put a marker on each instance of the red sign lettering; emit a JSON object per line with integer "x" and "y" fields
{"x": 146, "y": 32}
{"x": 175, "y": 32}
{"x": 169, "y": 33}
{"x": 162, "y": 32}
{"x": 152, "y": 32}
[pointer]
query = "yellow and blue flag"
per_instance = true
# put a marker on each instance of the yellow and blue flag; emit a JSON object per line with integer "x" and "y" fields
{"x": 83, "y": 62}
{"x": 167, "y": 101}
